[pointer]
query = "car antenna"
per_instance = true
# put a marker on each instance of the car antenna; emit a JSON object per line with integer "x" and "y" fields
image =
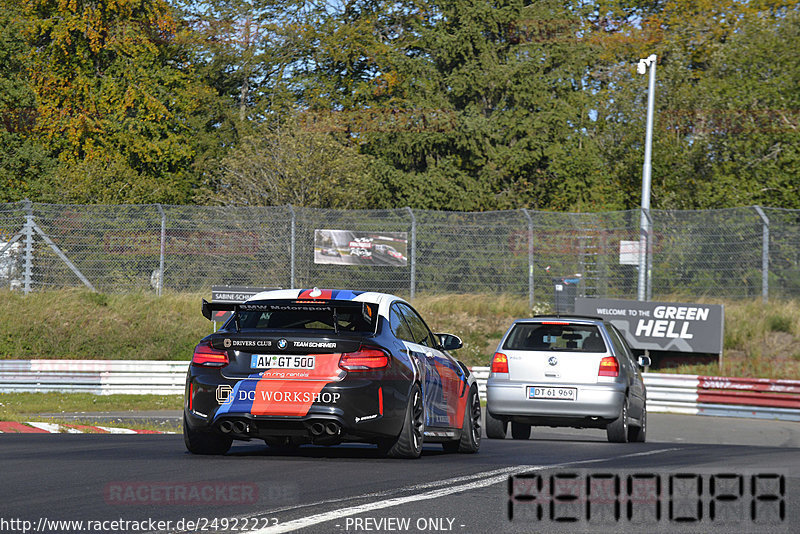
{"x": 335, "y": 321}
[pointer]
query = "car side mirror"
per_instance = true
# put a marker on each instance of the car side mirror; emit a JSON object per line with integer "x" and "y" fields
{"x": 644, "y": 361}
{"x": 449, "y": 341}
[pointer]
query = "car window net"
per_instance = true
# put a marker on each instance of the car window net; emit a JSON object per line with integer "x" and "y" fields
{"x": 569, "y": 337}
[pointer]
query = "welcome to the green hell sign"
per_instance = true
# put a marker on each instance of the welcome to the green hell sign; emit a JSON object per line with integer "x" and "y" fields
{"x": 666, "y": 326}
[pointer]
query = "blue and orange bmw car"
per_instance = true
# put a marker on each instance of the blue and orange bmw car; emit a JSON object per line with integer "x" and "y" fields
{"x": 294, "y": 366}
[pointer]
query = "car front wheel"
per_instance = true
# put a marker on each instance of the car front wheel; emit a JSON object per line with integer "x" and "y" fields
{"x": 520, "y": 430}
{"x": 470, "y": 440}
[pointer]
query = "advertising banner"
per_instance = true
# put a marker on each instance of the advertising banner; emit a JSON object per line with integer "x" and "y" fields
{"x": 348, "y": 247}
{"x": 665, "y": 326}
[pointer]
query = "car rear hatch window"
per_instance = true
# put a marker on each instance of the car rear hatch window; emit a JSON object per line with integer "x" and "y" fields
{"x": 294, "y": 339}
{"x": 553, "y": 336}
{"x": 335, "y": 316}
{"x": 541, "y": 353}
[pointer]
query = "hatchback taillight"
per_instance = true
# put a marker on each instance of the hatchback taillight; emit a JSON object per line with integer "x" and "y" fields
{"x": 609, "y": 366}
{"x": 207, "y": 356}
{"x": 499, "y": 363}
{"x": 364, "y": 359}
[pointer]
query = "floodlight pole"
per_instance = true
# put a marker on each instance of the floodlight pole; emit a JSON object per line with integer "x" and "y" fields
{"x": 644, "y": 227}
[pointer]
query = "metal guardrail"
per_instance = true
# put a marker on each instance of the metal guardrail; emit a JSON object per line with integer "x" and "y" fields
{"x": 711, "y": 395}
{"x": 101, "y": 377}
{"x": 669, "y": 393}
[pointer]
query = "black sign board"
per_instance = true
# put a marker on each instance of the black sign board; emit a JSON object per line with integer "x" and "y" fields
{"x": 661, "y": 326}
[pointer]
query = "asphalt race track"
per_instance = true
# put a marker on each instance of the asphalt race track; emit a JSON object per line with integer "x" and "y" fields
{"x": 695, "y": 474}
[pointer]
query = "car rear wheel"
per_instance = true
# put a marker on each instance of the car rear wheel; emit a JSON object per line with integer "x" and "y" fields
{"x": 204, "y": 442}
{"x": 470, "y": 440}
{"x": 617, "y": 430}
{"x": 495, "y": 428}
{"x": 638, "y": 434}
{"x": 409, "y": 442}
{"x": 520, "y": 430}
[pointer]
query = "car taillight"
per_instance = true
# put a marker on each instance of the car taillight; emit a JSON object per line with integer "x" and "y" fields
{"x": 207, "y": 356}
{"x": 609, "y": 366}
{"x": 363, "y": 360}
{"x": 499, "y": 363}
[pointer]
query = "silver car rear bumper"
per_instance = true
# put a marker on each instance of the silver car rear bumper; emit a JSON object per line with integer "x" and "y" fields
{"x": 600, "y": 400}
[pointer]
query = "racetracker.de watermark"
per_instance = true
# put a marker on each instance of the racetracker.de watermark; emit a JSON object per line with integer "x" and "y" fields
{"x": 195, "y": 524}
{"x": 180, "y": 493}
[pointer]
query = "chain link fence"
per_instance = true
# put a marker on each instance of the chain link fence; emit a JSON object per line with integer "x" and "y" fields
{"x": 729, "y": 253}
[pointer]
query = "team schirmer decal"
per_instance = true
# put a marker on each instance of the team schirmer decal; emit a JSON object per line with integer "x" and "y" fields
{"x": 314, "y": 344}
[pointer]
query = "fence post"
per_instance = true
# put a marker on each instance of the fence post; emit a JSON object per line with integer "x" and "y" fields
{"x": 292, "y": 247}
{"x": 28, "y": 246}
{"x": 413, "y": 281}
{"x": 530, "y": 257}
{"x": 160, "y": 284}
{"x": 764, "y": 254}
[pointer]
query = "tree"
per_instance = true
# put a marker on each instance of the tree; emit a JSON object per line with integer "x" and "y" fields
{"x": 511, "y": 78}
{"x": 747, "y": 114}
{"x": 116, "y": 94}
{"x": 284, "y": 164}
{"x": 715, "y": 74}
{"x": 246, "y": 49}
{"x": 25, "y": 165}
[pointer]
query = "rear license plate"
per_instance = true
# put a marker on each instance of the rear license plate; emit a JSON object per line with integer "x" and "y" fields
{"x": 274, "y": 361}
{"x": 539, "y": 392}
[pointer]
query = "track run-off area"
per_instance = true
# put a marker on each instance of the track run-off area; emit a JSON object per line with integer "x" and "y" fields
{"x": 694, "y": 474}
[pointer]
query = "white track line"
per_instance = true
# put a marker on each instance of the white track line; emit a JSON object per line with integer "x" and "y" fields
{"x": 414, "y": 488}
{"x": 114, "y": 430}
{"x": 480, "y": 480}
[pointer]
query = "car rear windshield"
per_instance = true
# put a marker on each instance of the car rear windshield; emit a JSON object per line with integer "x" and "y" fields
{"x": 555, "y": 336}
{"x": 338, "y": 317}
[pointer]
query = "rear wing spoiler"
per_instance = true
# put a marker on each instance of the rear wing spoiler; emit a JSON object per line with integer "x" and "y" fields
{"x": 369, "y": 311}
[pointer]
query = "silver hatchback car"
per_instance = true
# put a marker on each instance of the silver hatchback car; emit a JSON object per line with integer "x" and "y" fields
{"x": 566, "y": 371}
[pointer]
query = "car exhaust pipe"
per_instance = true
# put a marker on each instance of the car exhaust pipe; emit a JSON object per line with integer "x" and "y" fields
{"x": 240, "y": 427}
{"x": 226, "y": 427}
{"x": 332, "y": 428}
{"x": 317, "y": 429}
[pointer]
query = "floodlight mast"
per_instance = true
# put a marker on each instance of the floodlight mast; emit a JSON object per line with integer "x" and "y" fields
{"x": 644, "y": 226}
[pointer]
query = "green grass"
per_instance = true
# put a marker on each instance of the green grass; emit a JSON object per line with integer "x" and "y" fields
{"x": 24, "y": 407}
{"x": 77, "y": 324}
{"x": 16, "y": 405}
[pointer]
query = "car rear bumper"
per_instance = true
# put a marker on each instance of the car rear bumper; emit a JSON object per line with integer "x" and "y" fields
{"x": 349, "y": 410}
{"x": 602, "y": 401}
